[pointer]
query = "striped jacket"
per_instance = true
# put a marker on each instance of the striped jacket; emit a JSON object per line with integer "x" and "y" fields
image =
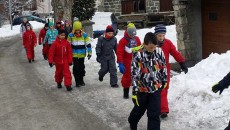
{"x": 149, "y": 71}
{"x": 51, "y": 36}
{"x": 80, "y": 45}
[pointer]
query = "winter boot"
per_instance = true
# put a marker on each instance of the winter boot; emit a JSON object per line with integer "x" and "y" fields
{"x": 45, "y": 58}
{"x": 68, "y": 88}
{"x": 164, "y": 115}
{"x": 32, "y": 60}
{"x": 29, "y": 61}
{"x": 59, "y": 85}
{"x": 82, "y": 83}
{"x": 115, "y": 86}
{"x": 133, "y": 127}
{"x": 126, "y": 93}
{"x": 77, "y": 81}
{"x": 100, "y": 78}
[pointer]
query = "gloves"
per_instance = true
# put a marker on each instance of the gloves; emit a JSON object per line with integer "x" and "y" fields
{"x": 51, "y": 65}
{"x": 43, "y": 45}
{"x": 121, "y": 68}
{"x": 217, "y": 87}
{"x": 89, "y": 56}
{"x": 135, "y": 97}
{"x": 70, "y": 64}
{"x": 136, "y": 49}
{"x": 71, "y": 35}
{"x": 184, "y": 67}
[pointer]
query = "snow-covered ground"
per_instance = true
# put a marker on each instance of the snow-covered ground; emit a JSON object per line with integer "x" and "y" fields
{"x": 193, "y": 106}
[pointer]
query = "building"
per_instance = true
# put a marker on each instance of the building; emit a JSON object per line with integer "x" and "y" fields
{"x": 44, "y": 6}
{"x": 202, "y": 27}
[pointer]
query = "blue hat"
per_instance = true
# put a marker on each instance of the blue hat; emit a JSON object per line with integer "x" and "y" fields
{"x": 160, "y": 28}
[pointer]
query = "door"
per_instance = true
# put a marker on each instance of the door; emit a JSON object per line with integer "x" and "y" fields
{"x": 215, "y": 26}
{"x": 166, "y": 5}
{"x": 127, "y": 6}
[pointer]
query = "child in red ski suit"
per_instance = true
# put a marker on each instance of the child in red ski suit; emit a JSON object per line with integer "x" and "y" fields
{"x": 29, "y": 42}
{"x": 42, "y": 35}
{"x": 124, "y": 56}
{"x": 60, "y": 55}
{"x": 168, "y": 49}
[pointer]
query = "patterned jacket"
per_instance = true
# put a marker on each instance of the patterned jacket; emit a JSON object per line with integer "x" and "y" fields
{"x": 80, "y": 45}
{"x": 51, "y": 36}
{"x": 149, "y": 71}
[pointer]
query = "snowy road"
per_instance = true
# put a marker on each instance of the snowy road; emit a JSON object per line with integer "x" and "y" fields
{"x": 26, "y": 103}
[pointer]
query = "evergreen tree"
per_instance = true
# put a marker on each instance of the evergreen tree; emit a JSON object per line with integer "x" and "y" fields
{"x": 83, "y": 9}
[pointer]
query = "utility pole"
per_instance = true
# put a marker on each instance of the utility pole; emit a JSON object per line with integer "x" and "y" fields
{"x": 10, "y": 12}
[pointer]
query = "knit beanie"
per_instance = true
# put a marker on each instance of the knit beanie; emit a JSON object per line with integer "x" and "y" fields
{"x": 131, "y": 29}
{"x": 160, "y": 28}
{"x": 51, "y": 24}
{"x": 77, "y": 25}
{"x": 109, "y": 28}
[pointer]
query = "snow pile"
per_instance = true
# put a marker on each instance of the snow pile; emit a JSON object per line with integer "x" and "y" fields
{"x": 6, "y": 32}
{"x": 191, "y": 99}
{"x": 101, "y": 19}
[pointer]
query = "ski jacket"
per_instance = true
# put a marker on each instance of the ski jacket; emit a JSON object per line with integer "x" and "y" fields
{"x": 29, "y": 39}
{"x": 60, "y": 52}
{"x": 105, "y": 48}
{"x": 124, "y": 52}
{"x": 80, "y": 45}
{"x": 50, "y": 36}
{"x": 42, "y": 35}
{"x": 148, "y": 71}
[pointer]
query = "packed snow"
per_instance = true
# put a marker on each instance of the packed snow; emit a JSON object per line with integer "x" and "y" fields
{"x": 193, "y": 106}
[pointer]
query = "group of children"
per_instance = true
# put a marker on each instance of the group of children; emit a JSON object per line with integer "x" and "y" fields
{"x": 145, "y": 67}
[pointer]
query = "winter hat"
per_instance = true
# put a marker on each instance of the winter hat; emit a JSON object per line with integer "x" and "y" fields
{"x": 109, "y": 28}
{"x": 46, "y": 25}
{"x": 77, "y": 25}
{"x": 58, "y": 22}
{"x": 51, "y": 24}
{"x": 131, "y": 29}
{"x": 160, "y": 28}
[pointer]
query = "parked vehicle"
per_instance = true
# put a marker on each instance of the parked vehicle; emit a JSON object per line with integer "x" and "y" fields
{"x": 18, "y": 20}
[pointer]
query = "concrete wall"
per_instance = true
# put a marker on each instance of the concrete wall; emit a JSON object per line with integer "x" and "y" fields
{"x": 189, "y": 29}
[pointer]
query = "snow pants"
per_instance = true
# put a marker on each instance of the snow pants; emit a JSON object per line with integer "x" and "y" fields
{"x": 151, "y": 102}
{"x": 63, "y": 71}
{"x": 109, "y": 66}
{"x": 164, "y": 95}
{"x": 228, "y": 128}
{"x": 30, "y": 52}
{"x": 78, "y": 69}
{"x": 45, "y": 49}
{"x": 126, "y": 78}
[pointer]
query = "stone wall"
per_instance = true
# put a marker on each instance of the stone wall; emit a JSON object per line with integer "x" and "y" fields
{"x": 152, "y": 6}
{"x": 113, "y": 6}
{"x": 188, "y": 27}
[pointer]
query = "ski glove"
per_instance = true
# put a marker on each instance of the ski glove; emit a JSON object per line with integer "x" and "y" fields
{"x": 51, "y": 65}
{"x": 135, "y": 97}
{"x": 121, "y": 68}
{"x": 184, "y": 67}
{"x": 89, "y": 56}
{"x": 217, "y": 87}
{"x": 98, "y": 59}
{"x": 70, "y": 64}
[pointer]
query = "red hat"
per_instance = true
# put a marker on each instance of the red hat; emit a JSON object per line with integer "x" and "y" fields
{"x": 109, "y": 28}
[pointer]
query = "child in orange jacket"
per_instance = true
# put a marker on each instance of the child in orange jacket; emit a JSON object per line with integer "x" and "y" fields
{"x": 60, "y": 54}
{"x": 29, "y": 42}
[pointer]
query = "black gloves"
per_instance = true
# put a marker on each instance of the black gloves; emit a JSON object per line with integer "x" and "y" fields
{"x": 51, "y": 65}
{"x": 184, "y": 67}
{"x": 217, "y": 87}
{"x": 98, "y": 59}
{"x": 70, "y": 64}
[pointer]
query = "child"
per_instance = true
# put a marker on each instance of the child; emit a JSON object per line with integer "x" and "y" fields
{"x": 42, "y": 35}
{"x": 50, "y": 37}
{"x": 23, "y": 26}
{"x": 80, "y": 43}
{"x": 168, "y": 48}
{"x": 60, "y": 54}
{"x": 148, "y": 78}
{"x": 223, "y": 84}
{"x": 124, "y": 56}
{"x": 29, "y": 42}
{"x": 68, "y": 28}
{"x": 106, "y": 46}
